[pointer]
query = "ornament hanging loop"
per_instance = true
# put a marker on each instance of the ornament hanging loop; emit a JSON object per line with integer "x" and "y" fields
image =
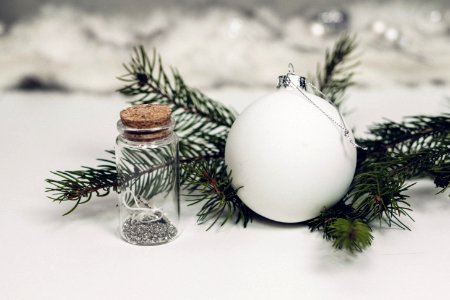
{"x": 291, "y": 68}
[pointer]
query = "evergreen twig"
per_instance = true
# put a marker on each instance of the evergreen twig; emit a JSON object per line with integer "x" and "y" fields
{"x": 397, "y": 152}
{"x": 209, "y": 183}
{"x": 410, "y": 135}
{"x": 79, "y": 186}
{"x": 336, "y": 75}
{"x": 201, "y": 122}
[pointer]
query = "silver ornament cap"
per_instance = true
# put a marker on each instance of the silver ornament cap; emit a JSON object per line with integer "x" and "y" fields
{"x": 291, "y": 79}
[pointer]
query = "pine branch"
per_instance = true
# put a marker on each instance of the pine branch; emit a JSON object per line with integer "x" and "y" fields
{"x": 148, "y": 80}
{"x": 202, "y": 123}
{"x": 376, "y": 196}
{"x": 397, "y": 152}
{"x": 336, "y": 75}
{"x": 410, "y": 135}
{"x": 378, "y": 190}
{"x": 147, "y": 174}
{"x": 79, "y": 186}
{"x": 209, "y": 183}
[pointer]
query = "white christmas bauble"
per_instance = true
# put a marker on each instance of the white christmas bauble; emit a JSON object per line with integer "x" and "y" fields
{"x": 287, "y": 158}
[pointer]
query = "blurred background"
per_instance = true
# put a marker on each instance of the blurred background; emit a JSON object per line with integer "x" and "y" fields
{"x": 80, "y": 45}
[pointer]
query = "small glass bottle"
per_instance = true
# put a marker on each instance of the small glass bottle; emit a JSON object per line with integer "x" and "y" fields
{"x": 148, "y": 175}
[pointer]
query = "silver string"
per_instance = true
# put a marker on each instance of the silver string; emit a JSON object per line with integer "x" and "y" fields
{"x": 340, "y": 125}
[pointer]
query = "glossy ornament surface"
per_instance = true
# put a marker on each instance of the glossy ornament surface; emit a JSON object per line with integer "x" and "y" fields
{"x": 289, "y": 159}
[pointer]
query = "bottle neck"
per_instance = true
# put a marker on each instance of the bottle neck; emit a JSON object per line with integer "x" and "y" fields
{"x": 146, "y": 134}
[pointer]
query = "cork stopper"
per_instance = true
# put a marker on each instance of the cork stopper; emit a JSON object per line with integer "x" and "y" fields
{"x": 146, "y": 122}
{"x": 146, "y": 116}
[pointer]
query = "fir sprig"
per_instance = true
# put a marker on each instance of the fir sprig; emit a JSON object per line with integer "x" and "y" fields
{"x": 397, "y": 152}
{"x": 209, "y": 183}
{"x": 148, "y": 80}
{"x": 146, "y": 173}
{"x": 201, "y": 122}
{"x": 336, "y": 75}
{"x": 79, "y": 186}
{"x": 411, "y": 134}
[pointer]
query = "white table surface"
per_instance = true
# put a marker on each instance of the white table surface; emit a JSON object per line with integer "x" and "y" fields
{"x": 81, "y": 256}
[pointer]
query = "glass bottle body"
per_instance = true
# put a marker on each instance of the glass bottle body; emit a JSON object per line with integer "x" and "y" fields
{"x": 148, "y": 184}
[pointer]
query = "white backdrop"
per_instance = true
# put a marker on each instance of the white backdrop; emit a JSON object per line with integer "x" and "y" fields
{"x": 46, "y": 256}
